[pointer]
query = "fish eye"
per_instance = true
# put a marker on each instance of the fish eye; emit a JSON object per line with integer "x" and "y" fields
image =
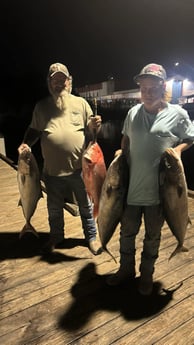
{"x": 167, "y": 164}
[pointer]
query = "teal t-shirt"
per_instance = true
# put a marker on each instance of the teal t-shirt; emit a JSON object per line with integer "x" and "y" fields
{"x": 149, "y": 136}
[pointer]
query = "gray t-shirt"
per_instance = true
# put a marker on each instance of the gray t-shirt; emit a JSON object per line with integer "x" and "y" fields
{"x": 63, "y": 133}
{"x": 149, "y": 136}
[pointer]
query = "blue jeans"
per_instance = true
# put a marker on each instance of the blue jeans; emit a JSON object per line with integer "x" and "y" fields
{"x": 130, "y": 225}
{"x": 57, "y": 187}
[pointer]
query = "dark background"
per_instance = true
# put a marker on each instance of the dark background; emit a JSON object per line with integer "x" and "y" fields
{"x": 96, "y": 39}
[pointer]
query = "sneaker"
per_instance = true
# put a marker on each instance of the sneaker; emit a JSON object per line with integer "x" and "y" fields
{"x": 145, "y": 284}
{"x": 94, "y": 247}
{"x": 119, "y": 277}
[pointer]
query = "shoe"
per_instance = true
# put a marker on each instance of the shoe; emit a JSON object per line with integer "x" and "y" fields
{"x": 94, "y": 247}
{"x": 61, "y": 244}
{"x": 119, "y": 277}
{"x": 50, "y": 245}
{"x": 146, "y": 284}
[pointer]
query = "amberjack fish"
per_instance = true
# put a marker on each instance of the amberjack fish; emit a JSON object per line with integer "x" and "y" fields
{"x": 29, "y": 186}
{"x": 174, "y": 196}
{"x": 93, "y": 173}
{"x": 112, "y": 199}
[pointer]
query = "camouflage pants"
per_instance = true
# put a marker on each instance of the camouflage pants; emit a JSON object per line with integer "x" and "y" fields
{"x": 130, "y": 226}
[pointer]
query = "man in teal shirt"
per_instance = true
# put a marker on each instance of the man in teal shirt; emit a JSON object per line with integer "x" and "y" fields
{"x": 148, "y": 130}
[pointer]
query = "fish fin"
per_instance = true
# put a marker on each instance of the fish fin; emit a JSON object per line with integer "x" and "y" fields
{"x": 109, "y": 190}
{"x": 189, "y": 221}
{"x": 19, "y": 202}
{"x": 23, "y": 178}
{"x": 87, "y": 158}
{"x": 28, "y": 228}
{"x": 179, "y": 190}
{"x": 111, "y": 255}
{"x": 177, "y": 250}
{"x": 41, "y": 194}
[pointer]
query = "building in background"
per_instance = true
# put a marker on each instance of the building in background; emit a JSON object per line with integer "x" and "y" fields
{"x": 115, "y": 93}
{"x": 110, "y": 93}
{"x": 180, "y": 90}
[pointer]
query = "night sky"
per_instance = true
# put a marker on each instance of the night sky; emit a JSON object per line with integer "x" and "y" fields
{"x": 96, "y": 39}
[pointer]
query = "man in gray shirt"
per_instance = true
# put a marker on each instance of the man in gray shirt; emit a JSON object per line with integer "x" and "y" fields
{"x": 60, "y": 121}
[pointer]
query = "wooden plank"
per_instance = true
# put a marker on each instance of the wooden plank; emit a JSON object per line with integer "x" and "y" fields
{"x": 183, "y": 335}
{"x": 120, "y": 325}
{"x": 138, "y": 323}
{"x": 153, "y": 330}
{"x": 96, "y": 294}
{"x": 63, "y": 298}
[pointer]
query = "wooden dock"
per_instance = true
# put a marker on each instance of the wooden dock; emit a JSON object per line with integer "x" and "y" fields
{"x": 63, "y": 298}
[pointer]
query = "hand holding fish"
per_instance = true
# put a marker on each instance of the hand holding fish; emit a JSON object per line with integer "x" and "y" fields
{"x": 95, "y": 122}
{"x": 177, "y": 150}
{"x": 118, "y": 152}
{"x": 23, "y": 147}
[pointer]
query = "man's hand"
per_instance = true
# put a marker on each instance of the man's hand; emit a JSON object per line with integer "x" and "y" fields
{"x": 95, "y": 121}
{"x": 118, "y": 152}
{"x": 178, "y": 150}
{"x": 23, "y": 147}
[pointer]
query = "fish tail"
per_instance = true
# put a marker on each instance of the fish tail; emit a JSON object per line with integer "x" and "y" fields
{"x": 28, "y": 228}
{"x": 111, "y": 255}
{"x": 178, "y": 249}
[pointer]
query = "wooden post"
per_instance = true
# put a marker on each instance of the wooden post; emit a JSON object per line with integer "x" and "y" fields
{"x": 2, "y": 144}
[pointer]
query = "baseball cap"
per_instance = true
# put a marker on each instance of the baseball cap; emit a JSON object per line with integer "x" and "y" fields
{"x": 152, "y": 70}
{"x": 58, "y": 67}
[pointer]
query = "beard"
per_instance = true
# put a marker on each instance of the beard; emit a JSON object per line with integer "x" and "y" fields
{"x": 60, "y": 95}
{"x": 60, "y": 99}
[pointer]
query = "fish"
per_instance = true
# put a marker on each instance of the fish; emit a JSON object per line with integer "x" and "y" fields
{"x": 112, "y": 199}
{"x": 174, "y": 196}
{"x": 93, "y": 173}
{"x": 29, "y": 185}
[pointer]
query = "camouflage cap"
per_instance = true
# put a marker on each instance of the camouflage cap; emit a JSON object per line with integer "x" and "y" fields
{"x": 56, "y": 68}
{"x": 152, "y": 70}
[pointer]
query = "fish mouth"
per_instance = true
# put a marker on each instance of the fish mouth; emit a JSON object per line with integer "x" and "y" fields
{"x": 171, "y": 160}
{"x": 25, "y": 155}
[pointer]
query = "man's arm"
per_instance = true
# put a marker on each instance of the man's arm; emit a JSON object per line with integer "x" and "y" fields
{"x": 124, "y": 146}
{"x": 185, "y": 145}
{"x": 31, "y": 136}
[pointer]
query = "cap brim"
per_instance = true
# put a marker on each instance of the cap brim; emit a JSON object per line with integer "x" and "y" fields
{"x": 52, "y": 74}
{"x": 140, "y": 76}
